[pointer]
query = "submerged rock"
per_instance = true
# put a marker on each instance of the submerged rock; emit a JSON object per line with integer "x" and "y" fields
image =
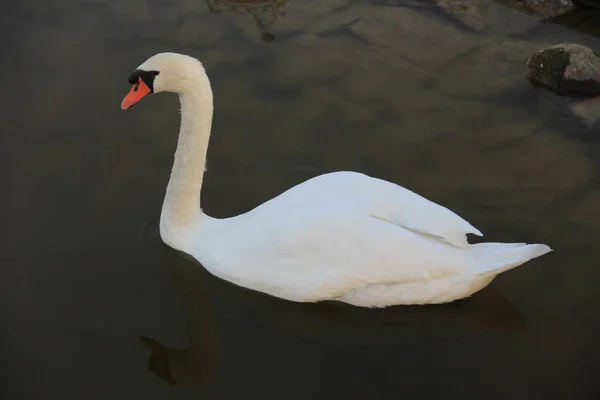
{"x": 504, "y": 16}
{"x": 566, "y": 69}
{"x": 587, "y": 110}
{"x": 575, "y": 116}
{"x": 549, "y": 8}
{"x": 492, "y": 69}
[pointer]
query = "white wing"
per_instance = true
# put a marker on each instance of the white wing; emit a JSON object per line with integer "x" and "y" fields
{"x": 390, "y": 202}
{"x": 335, "y": 233}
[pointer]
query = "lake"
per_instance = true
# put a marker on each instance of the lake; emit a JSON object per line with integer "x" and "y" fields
{"x": 95, "y": 306}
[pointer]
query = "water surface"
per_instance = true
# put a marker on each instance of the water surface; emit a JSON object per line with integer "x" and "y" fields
{"x": 395, "y": 89}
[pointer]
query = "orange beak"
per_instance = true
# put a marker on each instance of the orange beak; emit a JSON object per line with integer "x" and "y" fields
{"x": 138, "y": 91}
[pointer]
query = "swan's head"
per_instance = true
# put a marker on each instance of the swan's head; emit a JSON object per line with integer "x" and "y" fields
{"x": 163, "y": 72}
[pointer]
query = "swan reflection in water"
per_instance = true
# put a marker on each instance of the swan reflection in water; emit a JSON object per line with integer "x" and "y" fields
{"x": 197, "y": 364}
{"x": 264, "y": 12}
{"x": 326, "y": 323}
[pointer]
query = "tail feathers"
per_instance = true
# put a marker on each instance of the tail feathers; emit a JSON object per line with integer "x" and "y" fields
{"x": 500, "y": 257}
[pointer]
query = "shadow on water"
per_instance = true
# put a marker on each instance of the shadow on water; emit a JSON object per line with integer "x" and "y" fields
{"x": 198, "y": 363}
{"x": 340, "y": 323}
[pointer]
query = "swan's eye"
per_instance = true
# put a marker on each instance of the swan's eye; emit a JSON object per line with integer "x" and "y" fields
{"x": 141, "y": 77}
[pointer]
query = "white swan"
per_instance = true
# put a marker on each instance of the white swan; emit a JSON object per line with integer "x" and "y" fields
{"x": 340, "y": 236}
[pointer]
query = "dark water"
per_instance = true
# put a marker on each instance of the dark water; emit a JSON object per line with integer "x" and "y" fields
{"x": 395, "y": 89}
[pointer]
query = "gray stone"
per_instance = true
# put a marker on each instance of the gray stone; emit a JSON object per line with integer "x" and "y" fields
{"x": 566, "y": 69}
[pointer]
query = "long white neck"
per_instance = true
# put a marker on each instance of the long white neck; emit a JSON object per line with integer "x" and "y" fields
{"x": 181, "y": 210}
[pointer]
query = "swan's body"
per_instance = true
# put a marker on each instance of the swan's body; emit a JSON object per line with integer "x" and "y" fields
{"x": 340, "y": 236}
